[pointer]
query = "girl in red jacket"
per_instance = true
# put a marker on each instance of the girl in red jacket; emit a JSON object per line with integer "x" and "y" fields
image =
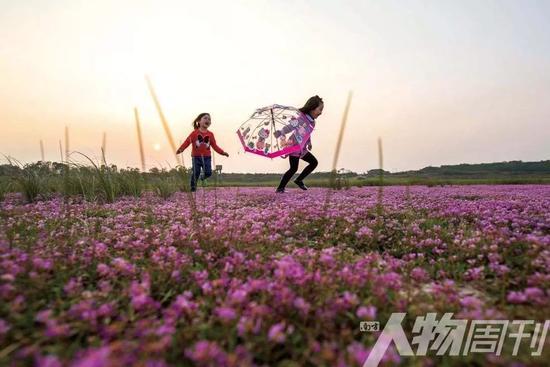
{"x": 201, "y": 139}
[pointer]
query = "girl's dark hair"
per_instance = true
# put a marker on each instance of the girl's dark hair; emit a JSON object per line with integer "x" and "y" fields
{"x": 311, "y": 104}
{"x": 199, "y": 117}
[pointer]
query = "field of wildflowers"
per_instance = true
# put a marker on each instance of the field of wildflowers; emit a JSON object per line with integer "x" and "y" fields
{"x": 245, "y": 277}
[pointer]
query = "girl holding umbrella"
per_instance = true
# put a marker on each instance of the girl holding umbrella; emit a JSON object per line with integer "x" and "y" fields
{"x": 312, "y": 109}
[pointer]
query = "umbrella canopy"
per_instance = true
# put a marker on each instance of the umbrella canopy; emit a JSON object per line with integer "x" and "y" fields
{"x": 275, "y": 131}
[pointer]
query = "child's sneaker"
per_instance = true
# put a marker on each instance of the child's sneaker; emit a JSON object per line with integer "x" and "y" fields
{"x": 301, "y": 185}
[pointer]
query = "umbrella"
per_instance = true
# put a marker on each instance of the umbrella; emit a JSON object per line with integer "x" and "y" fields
{"x": 275, "y": 131}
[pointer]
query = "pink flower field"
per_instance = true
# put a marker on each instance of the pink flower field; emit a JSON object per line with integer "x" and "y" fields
{"x": 246, "y": 277}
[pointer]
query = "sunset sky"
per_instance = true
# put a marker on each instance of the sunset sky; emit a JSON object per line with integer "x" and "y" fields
{"x": 441, "y": 82}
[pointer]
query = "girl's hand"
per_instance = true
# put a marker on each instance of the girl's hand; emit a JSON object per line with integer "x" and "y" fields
{"x": 226, "y": 154}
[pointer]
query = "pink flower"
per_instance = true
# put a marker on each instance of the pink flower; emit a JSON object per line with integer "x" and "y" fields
{"x": 43, "y": 316}
{"x": 106, "y": 310}
{"x": 350, "y": 298}
{"x": 100, "y": 249}
{"x": 165, "y": 330}
{"x": 238, "y": 296}
{"x": 42, "y": 264}
{"x": 72, "y": 287}
{"x": 288, "y": 267}
{"x": 103, "y": 269}
{"x": 226, "y": 314}
{"x": 327, "y": 259}
{"x": 53, "y": 329}
{"x": 366, "y": 312}
{"x": 358, "y": 352}
{"x": 534, "y": 293}
{"x": 364, "y": 232}
{"x": 419, "y": 274}
{"x": 123, "y": 266}
{"x": 140, "y": 301}
{"x": 244, "y": 325}
{"x": 205, "y": 351}
{"x": 8, "y": 277}
{"x": 390, "y": 280}
{"x": 475, "y": 273}
{"x": 516, "y": 297}
{"x": 175, "y": 275}
{"x": 48, "y": 361}
{"x": 276, "y": 333}
{"x": 302, "y": 305}
{"x": 94, "y": 358}
{"x": 183, "y": 304}
{"x": 471, "y": 302}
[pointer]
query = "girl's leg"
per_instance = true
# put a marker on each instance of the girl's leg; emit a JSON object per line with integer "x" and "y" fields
{"x": 196, "y": 172}
{"x": 288, "y": 174}
{"x": 309, "y": 158}
{"x": 207, "y": 166}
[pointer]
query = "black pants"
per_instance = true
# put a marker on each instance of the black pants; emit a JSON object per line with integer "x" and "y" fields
{"x": 309, "y": 158}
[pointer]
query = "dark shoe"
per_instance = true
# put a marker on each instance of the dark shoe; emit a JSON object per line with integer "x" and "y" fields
{"x": 280, "y": 191}
{"x": 301, "y": 185}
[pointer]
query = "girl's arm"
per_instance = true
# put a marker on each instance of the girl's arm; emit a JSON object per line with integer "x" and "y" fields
{"x": 285, "y": 130}
{"x": 216, "y": 147}
{"x": 185, "y": 144}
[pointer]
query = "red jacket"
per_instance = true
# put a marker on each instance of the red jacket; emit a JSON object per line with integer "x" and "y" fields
{"x": 201, "y": 144}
